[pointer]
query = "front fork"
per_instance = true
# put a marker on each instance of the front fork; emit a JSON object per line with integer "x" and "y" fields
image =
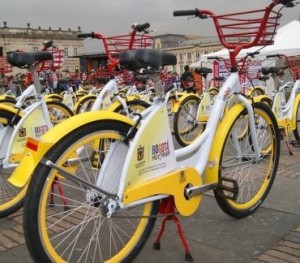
{"x": 252, "y": 125}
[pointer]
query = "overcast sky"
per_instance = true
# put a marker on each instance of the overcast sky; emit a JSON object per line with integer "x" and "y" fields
{"x": 111, "y": 17}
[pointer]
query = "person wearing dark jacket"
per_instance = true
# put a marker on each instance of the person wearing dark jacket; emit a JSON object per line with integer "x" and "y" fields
{"x": 187, "y": 79}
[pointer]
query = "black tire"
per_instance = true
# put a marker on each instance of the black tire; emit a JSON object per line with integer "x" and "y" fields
{"x": 186, "y": 126}
{"x": 51, "y": 229}
{"x": 244, "y": 183}
{"x": 11, "y": 197}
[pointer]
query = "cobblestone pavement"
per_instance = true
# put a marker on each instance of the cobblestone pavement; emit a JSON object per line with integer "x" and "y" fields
{"x": 284, "y": 250}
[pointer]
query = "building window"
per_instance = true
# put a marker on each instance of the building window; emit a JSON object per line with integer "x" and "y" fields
{"x": 181, "y": 69}
{"x": 66, "y": 52}
{"x": 205, "y": 52}
{"x": 35, "y": 49}
{"x": 180, "y": 56}
{"x": 197, "y": 54}
{"x": 75, "y": 51}
{"x": 189, "y": 55}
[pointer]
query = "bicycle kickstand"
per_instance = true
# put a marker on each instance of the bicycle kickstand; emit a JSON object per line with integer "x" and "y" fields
{"x": 167, "y": 207}
{"x": 64, "y": 201}
{"x": 283, "y": 137}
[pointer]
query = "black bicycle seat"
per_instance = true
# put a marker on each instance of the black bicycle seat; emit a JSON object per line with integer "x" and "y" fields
{"x": 27, "y": 59}
{"x": 146, "y": 58}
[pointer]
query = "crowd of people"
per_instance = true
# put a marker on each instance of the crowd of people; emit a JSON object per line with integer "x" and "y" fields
{"x": 56, "y": 82}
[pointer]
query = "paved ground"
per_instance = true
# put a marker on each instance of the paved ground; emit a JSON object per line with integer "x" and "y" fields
{"x": 271, "y": 235}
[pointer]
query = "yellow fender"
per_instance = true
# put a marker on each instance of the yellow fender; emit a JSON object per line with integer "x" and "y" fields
{"x": 11, "y": 109}
{"x": 31, "y": 158}
{"x": 116, "y": 104}
{"x": 212, "y": 169}
{"x": 262, "y": 98}
{"x": 296, "y": 102}
{"x": 184, "y": 95}
{"x": 82, "y": 98}
{"x": 255, "y": 88}
{"x": 55, "y": 97}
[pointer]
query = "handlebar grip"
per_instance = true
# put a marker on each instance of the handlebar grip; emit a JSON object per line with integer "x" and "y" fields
{"x": 142, "y": 27}
{"x": 193, "y": 12}
{"x": 274, "y": 56}
{"x": 214, "y": 57}
{"x": 85, "y": 35}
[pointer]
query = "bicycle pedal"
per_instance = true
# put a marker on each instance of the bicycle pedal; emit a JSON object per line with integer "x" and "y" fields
{"x": 295, "y": 143}
{"x": 228, "y": 188}
{"x": 95, "y": 160}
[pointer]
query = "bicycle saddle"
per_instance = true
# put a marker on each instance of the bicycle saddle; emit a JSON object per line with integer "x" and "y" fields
{"x": 270, "y": 70}
{"x": 26, "y": 59}
{"x": 146, "y": 58}
{"x": 203, "y": 71}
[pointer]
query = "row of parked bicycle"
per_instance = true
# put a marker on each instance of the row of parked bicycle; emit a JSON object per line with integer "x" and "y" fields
{"x": 93, "y": 184}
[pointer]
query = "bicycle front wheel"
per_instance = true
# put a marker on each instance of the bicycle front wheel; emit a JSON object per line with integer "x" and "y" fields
{"x": 186, "y": 126}
{"x": 245, "y": 182}
{"x": 66, "y": 221}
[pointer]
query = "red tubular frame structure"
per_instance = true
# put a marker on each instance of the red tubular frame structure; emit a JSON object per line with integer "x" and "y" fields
{"x": 236, "y": 31}
{"x": 113, "y": 45}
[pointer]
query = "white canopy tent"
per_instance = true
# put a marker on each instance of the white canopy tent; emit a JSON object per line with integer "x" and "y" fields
{"x": 286, "y": 41}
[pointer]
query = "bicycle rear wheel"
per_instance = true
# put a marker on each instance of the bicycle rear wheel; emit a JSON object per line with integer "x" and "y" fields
{"x": 11, "y": 197}
{"x": 72, "y": 225}
{"x": 243, "y": 182}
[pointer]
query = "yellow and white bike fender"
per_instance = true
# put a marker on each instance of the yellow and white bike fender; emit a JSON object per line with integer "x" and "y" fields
{"x": 35, "y": 150}
{"x": 212, "y": 169}
{"x": 177, "y": 104}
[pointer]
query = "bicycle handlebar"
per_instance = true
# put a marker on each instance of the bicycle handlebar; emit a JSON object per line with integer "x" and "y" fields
{"x": 86, "y": 35}
{"x": 140, "y": 27}
{"x": 274, "y": 56}
{"x": 192, "y": 12}
{"x": 286, "y": 3}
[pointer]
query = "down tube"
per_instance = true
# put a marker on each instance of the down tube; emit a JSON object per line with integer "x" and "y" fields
{"x": 197, "y": 154}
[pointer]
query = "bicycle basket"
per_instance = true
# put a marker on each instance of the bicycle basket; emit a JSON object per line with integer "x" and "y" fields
{"x": 56, "y": 63}
{"x": 116, "y": 44}
{"x": 5, "y": 67}
{"x": 294, "y": 65}
{"x": 247, "y": 29}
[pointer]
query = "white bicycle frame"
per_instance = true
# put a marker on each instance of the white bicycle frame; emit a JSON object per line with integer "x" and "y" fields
{"x": 34, "y": 123}
{"x": 159, "y": 149}
{"x": 282, "y": 108}
{"x": 103, "y": 100}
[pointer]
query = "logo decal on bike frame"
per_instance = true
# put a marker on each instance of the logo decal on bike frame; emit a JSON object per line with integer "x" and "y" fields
{"x": 22, "y": 132}
{"x": 140, "y": 153}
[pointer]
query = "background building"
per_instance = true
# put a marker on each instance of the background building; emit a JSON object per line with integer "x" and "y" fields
{"x": 30, "y": 39}
{"x": 188, "y": 49}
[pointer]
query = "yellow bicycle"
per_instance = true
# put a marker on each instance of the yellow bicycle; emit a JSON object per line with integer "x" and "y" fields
{"x": 115, "y": 172}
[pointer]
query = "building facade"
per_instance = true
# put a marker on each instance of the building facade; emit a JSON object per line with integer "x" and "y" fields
{"x": 188, "y": 49}
{"x": 31, "y": 39}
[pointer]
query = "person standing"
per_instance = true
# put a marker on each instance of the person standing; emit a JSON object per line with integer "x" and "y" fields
{"x": 187, "y": 80}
